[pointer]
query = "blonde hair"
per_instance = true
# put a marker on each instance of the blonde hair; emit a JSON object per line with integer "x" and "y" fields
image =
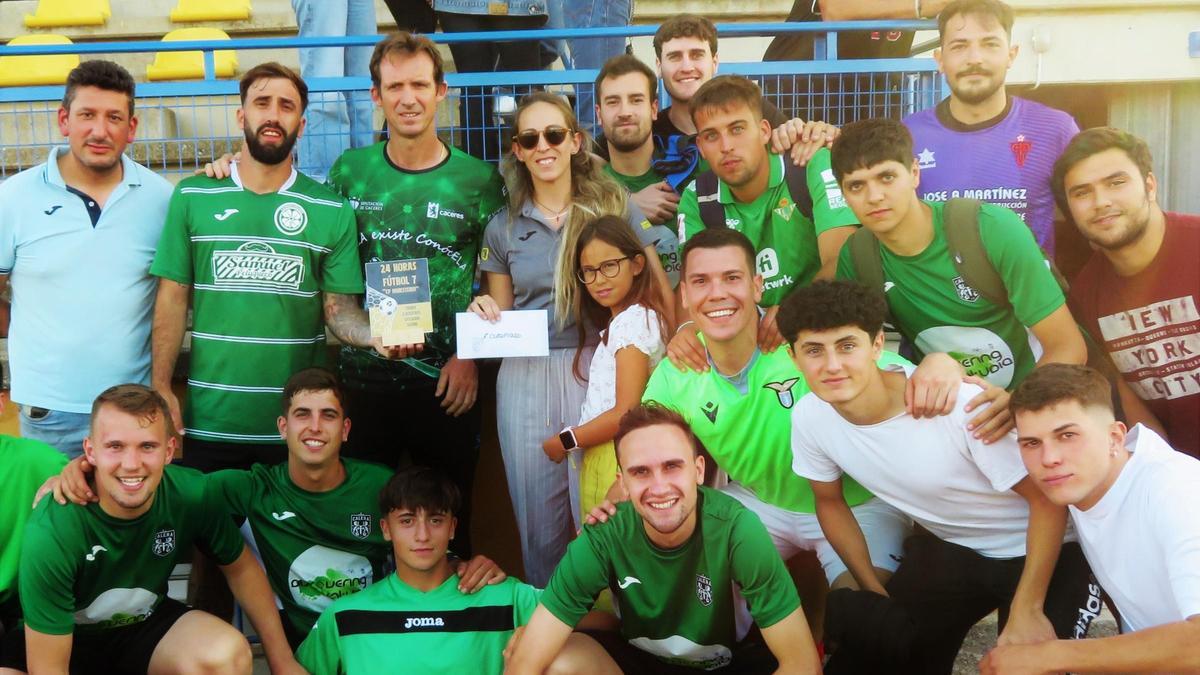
{"x": 593, "y": 194}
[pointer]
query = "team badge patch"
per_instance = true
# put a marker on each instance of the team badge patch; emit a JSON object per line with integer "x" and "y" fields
{"x": 164, "y": 542}
{"x": 360, "y": 525}
{"x": 703, "y": 590}
{"x": 784, "y": 391}
{"x": 1020, "y": 149}
{"x": 291, "y": 218}
{"x": 965, "y": 292}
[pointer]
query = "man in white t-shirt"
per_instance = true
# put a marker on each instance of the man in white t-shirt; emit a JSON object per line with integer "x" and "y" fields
{"x": 1134, "y": 502}
{"x": 989, "y": 539}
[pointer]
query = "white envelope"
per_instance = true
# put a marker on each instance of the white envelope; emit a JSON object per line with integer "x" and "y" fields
{"x": 517, "y": 333}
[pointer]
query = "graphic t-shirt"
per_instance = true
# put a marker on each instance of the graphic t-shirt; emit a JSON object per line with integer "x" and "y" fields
{"x": 1142, "y": 539}
{"x": 257, "y": 265}
{"x": 84, "y": 570}
{"x": 677, "y": 604}
{"x": 316, "y": 546}
{"x": 937, "y": 311}
{"x": 932, "y": 470}
{"x": 392, "y": 627}
{"x": 438, "y": 214}
{"x": 27, "y": 464}
{"x": 785, "y": 239}
{"x": 1151, "y": 327}
{"x": 1006, "y": 161}
{"x": 748, "y": 430}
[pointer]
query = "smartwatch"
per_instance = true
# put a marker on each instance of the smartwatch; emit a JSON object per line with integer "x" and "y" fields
{"x": 567, "y": 438}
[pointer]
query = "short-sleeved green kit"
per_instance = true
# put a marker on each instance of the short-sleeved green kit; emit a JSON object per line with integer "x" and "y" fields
{"x": 392, "y": 627}
{"x": 749, "y": 435}
{"x": 257, "y": 264}
{"x": 438, "y": 214}
{"x": 937, "y": 311}
{"x": 84, "y": 570}
{"x": 27, "y": 464}
{"x": 785, "y": 239}
{"x": 316, "y": 546}
{"x": 677, "y": 604}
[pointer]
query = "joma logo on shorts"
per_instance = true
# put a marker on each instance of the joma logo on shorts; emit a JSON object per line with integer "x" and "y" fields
{"x": 423, "y": 622}
{"x": 257, "y": 264}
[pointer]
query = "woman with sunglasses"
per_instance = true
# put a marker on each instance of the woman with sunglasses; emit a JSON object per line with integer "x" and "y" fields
{"x": 554, "y": 189}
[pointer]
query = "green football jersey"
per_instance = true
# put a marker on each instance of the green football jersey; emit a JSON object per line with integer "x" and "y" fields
{"x": 750, "y": 434}
{"x": 316, "y": 546}
{"x": 27, "y": 464}
{"x": 938, "y": 312}
{"x": 634, "y": 183}
{"x": 257, "y": 265}
{"x": 438, "y": 214}
{"x": 666, "y": 239}
{"x": 677, "y": 604}
{"x": 785, "y": 239}
{"x": 84, "y": 570}
{"x": 392, "y": 627}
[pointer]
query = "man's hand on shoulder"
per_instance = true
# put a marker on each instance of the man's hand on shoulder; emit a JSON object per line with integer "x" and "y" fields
{"x": 70, "y": 485}
{"x": 995, "y": 420}
{"x": 478, "y": 572}
{"x": 802, "y": 139}
{"x": 932, "y": 389}
{"x": 685, "y": 350}
{"x": 659, "y": 202}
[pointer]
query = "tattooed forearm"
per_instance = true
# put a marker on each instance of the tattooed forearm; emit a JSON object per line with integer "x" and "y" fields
{"x": 347, "y": 319}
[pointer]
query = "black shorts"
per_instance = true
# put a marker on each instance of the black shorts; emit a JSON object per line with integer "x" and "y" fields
{"x": 209, "y": 456}
{"x": 118, "y": 651}
{"x": 749, "y": 658}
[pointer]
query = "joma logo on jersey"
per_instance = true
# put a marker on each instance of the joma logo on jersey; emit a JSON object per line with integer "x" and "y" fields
{"x": 360, "y": 525}
{"x": 257, "y": 264}
{"x": 164, "y": 542}
{"x": 965, "y": 292}
{"x": 434, "y": 209}
{"x": 704, "y": 590}
{"x": 424, "y": 622}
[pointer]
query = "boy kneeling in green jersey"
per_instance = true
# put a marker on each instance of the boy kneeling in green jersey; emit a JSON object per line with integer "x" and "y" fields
{"x": 418, "y": 620}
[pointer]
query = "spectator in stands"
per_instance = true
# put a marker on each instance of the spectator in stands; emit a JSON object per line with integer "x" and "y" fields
{"x": 332, "y": 126}
{"x": 989, "y": 539}
{"x": 328, "y": 547}
{"x": 93, "y": 579}
{"x": 77, "y": 235}
{"x": 439, "y": 626}
{"x": 981, "y": 142}
{"x": 930, "y": 302}
{"x": 840, "y": 99}
{"x": 795, "y": 217}
{"x": 589, "y": 53}
{"x": 1133, "y": 502}
{"x": 554, "y": 187}
{"x": 1140, "y": 290}
{"x": 672, "y": 556}
{"x": 251, "y": 331}
{"x": 481, "y": 131}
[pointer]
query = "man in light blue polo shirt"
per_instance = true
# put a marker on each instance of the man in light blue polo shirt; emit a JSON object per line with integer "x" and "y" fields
{"x": 77, "y": 235}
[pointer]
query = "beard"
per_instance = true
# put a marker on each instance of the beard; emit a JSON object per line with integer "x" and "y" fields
{"x": 270, "y": 154}
{"x": 1114, "y": 241}
{"x": 629, "y": 143}
{"x": 975, "y": 96}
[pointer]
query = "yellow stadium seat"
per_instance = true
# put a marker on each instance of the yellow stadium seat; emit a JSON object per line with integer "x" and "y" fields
{"x": 210, "y": 10}
{"x": 54, "y": 13}
{"x": 16, "y": 71}
{"x": 190, "y": 65}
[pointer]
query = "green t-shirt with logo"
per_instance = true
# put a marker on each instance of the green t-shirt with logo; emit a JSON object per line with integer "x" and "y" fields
{"x": 748, "y": 429}
{"x": 665, "y": 239}
{"x": 785, "y": 239}
{"x": 84, "y": 570}
{"x": 677, "y": 604}
{"x": 258, "y": 265}
{"x": 316, "y": 546}
{"x": 634, "y": 183}
{"x": 27, "y": 464}
{"x": 936, "y": 311}
{"x": 392, "y": 627}
{"x": 438, "y": 214}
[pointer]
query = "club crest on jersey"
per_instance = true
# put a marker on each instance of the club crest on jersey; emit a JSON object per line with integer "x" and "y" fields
{"x": 1020, "y": 149}
{"x": 291, "y": 218}
{"x": 164, "y": 542}
{"x": 704, "y": 590}
{"x": 784, "y": 391}
{"x": 360, "y": 525}
{"x": 965, "y": 292}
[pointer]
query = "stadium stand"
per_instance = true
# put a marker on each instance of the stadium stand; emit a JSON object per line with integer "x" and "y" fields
{"x": 190, "y": 65}
{"x": 16, "y": 71}
{"x": 58, "y": 13}
{"x": 210, "y": 10}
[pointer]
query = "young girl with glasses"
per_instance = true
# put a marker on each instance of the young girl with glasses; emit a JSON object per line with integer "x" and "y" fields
{"x": 555, "y": 187}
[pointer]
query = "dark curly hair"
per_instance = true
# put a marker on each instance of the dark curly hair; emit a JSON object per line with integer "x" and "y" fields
{"x": 866, "y": 143}
{"x": 100, "y": 74}
{"x": 831, "y": 304}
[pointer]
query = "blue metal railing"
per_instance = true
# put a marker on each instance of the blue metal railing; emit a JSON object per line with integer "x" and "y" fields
{"x": 192, "y": 121}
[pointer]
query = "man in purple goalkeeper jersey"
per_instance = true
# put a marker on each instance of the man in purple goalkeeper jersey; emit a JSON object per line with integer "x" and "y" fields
{"x": 981, "y": 142}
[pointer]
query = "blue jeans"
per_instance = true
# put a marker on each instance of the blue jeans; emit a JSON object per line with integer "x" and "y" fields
{"x": 333, "y": 127}
{"x": 63, "y": 430}
{"x": 589, "y": 53}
